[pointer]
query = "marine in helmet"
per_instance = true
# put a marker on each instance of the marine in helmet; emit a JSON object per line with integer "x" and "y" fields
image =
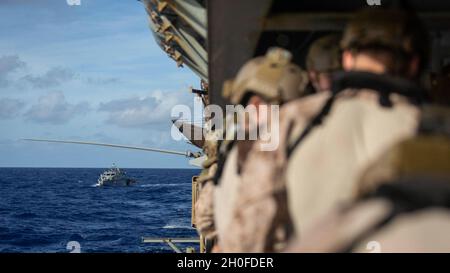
{"x": 374, "y": 104}
{"x": 260, "y": 220}
{"x": 329, "y": 138}
{"x": 322, "y": 60}
{"x": 268, "y": 81}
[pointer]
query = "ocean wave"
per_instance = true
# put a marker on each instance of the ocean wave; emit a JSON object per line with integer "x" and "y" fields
{"x": 102, "y": 220}
{"x": 177, "y": 227}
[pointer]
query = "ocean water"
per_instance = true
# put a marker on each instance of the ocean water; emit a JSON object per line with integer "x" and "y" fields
{"x": 42, "y": 210}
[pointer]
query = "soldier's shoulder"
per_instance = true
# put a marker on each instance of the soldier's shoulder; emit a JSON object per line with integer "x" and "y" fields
{"x": 304, "y": 106}
{"x": 295, "y": 115}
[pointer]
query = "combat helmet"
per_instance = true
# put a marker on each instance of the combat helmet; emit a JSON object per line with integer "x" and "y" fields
{"x": 397, "y": 30}
{"x": 324, "y": 54}
{"x": 273, "y": 77}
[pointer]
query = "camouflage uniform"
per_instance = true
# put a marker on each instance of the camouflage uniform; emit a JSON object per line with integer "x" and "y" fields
{"x": 261, "y": 221}
{"x": 402, "y": 203}
{"x": 204, "y": 217}
{"x": 322, "y": 172}
{"x": 328, "y": 139}
{"x": 276, "y": 80}
{"x": 366, "y": 115}
{"x": 204, "y": 212}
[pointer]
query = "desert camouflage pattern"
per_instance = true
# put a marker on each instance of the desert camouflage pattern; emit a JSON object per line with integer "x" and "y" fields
{"x": 262, "y": 200}
{"x": 417, "y": 216}
{"x": 224, "y": 195}
{"x": 204, "y": 212}
{"x": 324, "y": 169}
{"x": 260, "y": 219}
{"x": 422, "y": 231}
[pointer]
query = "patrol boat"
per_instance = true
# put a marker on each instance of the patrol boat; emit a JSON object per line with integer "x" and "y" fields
{"x": 114, "y": 176}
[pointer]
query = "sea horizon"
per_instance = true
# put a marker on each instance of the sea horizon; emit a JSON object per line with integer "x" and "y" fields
{"x": 106, "y": 167}
{"x": 48, "y": 209}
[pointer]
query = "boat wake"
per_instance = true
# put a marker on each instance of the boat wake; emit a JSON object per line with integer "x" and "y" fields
{"x": 177, "y": 227}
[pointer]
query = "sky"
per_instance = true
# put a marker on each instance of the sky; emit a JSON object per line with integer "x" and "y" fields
{"x": 89, "y": 72}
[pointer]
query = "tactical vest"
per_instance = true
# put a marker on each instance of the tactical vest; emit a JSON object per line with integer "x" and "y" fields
{"x": 384, "y": 85}
{"x": 420, "y": 170}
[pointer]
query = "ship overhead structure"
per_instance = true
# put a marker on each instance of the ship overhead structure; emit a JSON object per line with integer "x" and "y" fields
{"x": 180, "y": 29}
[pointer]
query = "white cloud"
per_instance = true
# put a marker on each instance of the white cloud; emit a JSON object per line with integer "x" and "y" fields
{"x": 142, "y": 111}
{"x": 53, "y": 77}
{"x": 53, "y": 108}
{"x": 11, "y": 64}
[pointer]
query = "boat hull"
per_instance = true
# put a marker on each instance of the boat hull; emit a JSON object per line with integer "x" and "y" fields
{"x": 117, "y": 182}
